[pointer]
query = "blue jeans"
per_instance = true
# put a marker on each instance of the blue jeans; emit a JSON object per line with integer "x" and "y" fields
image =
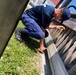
{"x": 32, "y": 28}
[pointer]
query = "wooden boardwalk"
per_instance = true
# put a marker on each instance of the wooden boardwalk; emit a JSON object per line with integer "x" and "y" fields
{"x": 62, "y": 49}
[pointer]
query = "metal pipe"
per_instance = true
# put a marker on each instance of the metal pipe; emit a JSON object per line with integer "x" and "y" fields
{"x": 60, "y": 2}
{"x": 44, "y": 2}
{"x": 73, "y": 15}
{"x": 65, "y": 3}
{"x": 72, "y": 6}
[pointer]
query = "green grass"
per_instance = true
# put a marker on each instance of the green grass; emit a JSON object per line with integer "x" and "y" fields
{"x": 20, "y": 58}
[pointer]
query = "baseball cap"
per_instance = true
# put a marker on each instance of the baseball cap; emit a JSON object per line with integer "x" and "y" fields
{"x": 65, "y": 14}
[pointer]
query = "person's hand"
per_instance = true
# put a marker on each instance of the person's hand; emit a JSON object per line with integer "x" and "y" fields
{"x": 60, "y": 27}
{"x": 42, "y": 48}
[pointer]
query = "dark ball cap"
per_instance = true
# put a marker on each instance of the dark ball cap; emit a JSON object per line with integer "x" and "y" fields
{"x": 65, "y": 14}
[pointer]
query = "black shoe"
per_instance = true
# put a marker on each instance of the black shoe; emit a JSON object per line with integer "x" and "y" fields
{"x": 18, "y": 37}
{"x": 18, "y": 34}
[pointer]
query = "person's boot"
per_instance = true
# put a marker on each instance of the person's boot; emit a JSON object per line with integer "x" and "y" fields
{"x": 18, "y": 34}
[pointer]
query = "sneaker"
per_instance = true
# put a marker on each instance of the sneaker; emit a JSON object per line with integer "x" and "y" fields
{"x": 18, "y": 34}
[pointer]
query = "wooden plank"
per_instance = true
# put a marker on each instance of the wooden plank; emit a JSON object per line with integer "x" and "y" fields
{"x": 51, "y": 31}
{"x": 55, "y": 36}
{"x": 72, "y": 71}
{"x": 63, "y": 37}
{"x": 73, "y": 56}
{"x": 10, "y": 12}
{"x": 71, "y": 23}
{"x": 56, "y": 63}
{"x": 54, "y": 32}
{"x": 65, "y": 41}
{"x": 69, "y": 53}
{"x": 67, "y": 46}
{"x": 70, "y": 58}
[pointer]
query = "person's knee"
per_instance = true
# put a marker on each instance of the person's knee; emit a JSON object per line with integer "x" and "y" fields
{"x": 41, "y": 35}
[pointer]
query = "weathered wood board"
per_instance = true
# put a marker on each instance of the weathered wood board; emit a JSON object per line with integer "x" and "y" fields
{"x": 10, "y": 12}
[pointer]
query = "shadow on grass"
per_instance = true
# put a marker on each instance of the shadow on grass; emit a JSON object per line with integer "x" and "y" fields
{"x": 32, "y": 43}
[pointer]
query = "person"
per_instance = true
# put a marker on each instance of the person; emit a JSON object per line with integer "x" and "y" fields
{"x": 37, "y": 19}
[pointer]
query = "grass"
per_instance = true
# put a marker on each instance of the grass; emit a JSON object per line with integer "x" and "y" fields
{"x": 20, "y": 58}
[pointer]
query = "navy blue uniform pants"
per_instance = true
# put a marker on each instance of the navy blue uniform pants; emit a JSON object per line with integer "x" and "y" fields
{"x": 32, "y": 28}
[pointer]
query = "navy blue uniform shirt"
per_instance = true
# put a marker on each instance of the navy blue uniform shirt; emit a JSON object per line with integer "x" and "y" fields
{"x": 41, "y": 14}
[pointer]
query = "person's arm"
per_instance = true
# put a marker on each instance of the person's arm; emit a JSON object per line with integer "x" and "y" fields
{"x": 49, "y": 27}
{"x": 56, "y": 26}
